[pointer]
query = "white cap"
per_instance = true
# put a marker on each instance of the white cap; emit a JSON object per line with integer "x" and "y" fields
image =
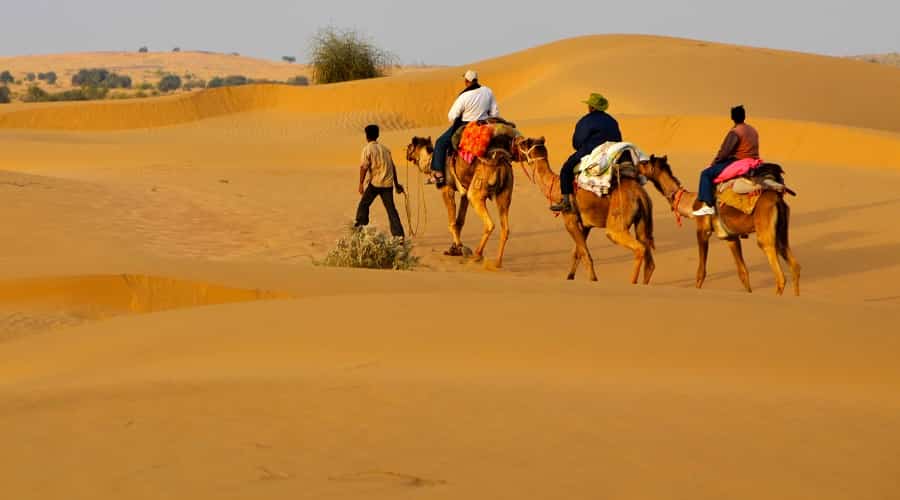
{"x": 471, "y": 76}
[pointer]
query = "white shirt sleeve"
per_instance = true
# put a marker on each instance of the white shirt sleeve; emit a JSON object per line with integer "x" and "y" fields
{"x": 495, "y": 110}
{"x": 457, "y": 109}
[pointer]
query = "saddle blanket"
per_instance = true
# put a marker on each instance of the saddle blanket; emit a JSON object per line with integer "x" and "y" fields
{"x": 473, "y": 140}
{"x": 737, "y": 169}
{"x": 595, "y": 171}
{"x": 740, "y": 193}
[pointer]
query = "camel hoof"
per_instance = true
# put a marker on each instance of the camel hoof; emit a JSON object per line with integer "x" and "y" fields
{"x": 476, "y": 258}
{"x": 570, "y": 277}
{"x": 454, "y": 251}
{"x": 492, "y": 266}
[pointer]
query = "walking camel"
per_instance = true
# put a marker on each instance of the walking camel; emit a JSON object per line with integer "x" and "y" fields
{"x": 627, "y": 205}
{"x": 486, "y": 178}
{"x": 769, "y": 220}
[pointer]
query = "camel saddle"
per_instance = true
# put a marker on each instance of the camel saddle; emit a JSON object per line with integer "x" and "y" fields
{"x": 476, "y": 138}
{"x": 743, "y": 192}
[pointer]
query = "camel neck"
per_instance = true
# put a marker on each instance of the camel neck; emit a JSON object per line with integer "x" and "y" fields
{"x": 546, "y": 179}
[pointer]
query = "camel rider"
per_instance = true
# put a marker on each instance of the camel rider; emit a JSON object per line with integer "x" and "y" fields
{"x": 592, "y": 130}
{"x": 741, "y": 143}
{"x": 474, "y": 103}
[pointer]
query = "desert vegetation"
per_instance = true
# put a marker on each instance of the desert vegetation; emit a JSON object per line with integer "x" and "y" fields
{"x": 340, "y": 55}
{"x": 366, "y": 247}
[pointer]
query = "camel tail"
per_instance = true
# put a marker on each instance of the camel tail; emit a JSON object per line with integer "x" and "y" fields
{"x": 782, "y": 243}
{"x": 645, "y": 218}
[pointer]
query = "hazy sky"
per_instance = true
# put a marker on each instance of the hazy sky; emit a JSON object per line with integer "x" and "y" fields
{"x": 448, "y": 32}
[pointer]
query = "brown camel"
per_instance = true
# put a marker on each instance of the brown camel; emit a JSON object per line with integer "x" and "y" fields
{"x": 485, "y": 178}
{"x": 769, "y": 220}
{"x": 627, "y": 205}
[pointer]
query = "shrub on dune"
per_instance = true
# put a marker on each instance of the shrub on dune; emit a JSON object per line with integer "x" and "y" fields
{"x": 344, "y": 55}
{"x": 6, "y": 77}
{"x": 169, "y": 83}
{"x": 298, "y": 80}
{"x": 4, "y": 95}
{"x": 228, "y": 81}
{"x": 194, "y": 84}
{"x": 49, "y": 77}
{"x": 365, "y": 247}
{"x": 99, "y": 77}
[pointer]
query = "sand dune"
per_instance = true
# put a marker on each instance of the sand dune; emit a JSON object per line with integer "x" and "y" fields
{"x": 140, "y": 359}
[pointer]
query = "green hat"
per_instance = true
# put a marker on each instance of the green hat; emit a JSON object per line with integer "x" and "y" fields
{"x": 597, "y": 102}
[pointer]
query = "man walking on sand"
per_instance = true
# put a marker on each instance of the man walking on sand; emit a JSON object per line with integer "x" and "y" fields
{"x": 377, "y": 175}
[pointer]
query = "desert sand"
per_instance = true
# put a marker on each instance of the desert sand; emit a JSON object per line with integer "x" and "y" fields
{"x": 165, "y": 334}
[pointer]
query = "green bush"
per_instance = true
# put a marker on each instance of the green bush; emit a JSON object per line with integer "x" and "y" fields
{"x": 36, "y": 94}
{"x": 367, "y": 248}
{"x": 298, "y": 80}
{"x": 289, "y": 59}
{"x": 228, "y": 81}
{"x": 6, "y": 77}
{"x": 4, "y": 95}
{"x": 169, "y": 83}
{"x": 344, "y": 55}
{"x": 99, "y": 77}
{"x": 176, "y": 49}
{"x": 50, "y": 77}
{"x": 143, "y": 50}
{"x": 30, "y": 77}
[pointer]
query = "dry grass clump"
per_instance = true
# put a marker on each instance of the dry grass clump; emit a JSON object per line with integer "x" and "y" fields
{"x": 344, "y": 55}
{"x": 365, "y": 247}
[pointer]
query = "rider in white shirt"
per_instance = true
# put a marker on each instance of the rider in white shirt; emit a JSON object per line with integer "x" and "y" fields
{"x": 473, "y": 104}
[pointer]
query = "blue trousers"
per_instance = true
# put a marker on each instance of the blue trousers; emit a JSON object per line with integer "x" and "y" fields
{"x": 707, "y": 192}
{"x": 442, "y": 147}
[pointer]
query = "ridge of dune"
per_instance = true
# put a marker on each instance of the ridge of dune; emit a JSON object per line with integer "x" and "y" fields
{"x": 640, "y": 75}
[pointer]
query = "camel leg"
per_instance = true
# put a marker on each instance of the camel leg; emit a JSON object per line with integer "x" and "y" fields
{"x": 643, "y": 235}
{"x": 703, "y": 234}
{"x": 480, "y": 207}
{"x": 455, "y": 228}
{"x": 788, "y": 255}
{"x": 579, "y": 235}
{"x": 738, "y": 254}
{"x": 766, "y": 222}
{"x": 503, "y": 200}
{"x": 588, "y": 258}
{"x": 624, "y": 238}
{"x": 772, "y": 255}
{"x": 461, "y": 214}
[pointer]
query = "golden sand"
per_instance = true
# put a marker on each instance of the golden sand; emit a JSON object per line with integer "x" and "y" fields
{"x": 451, "y": 381}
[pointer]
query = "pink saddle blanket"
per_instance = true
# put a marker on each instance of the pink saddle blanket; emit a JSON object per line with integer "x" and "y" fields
{"x": 737, "y": 169}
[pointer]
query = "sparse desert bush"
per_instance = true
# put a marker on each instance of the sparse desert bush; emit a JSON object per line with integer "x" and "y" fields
{"x": 368, "y": 248}
{"x": 169, "y": 83}
{"x": 176, "y": 49}
{"x": 4, "y": 95}
{"x": 143, "y": 50}
{"x": 298, "y": 80}
{"x": 343, "y": 55}
{"x": 35, "y": 94}
{"x": 145, "y": 86}
{"x": 290, "y": 59}
{"x": 194, "y": 84}
{"x": 6, "y": 77}
{"x": 228, "y": 81}
{"x": 99, "y": 77}
{"x": 49, "y": 77}
{"x": 30, "y": 77}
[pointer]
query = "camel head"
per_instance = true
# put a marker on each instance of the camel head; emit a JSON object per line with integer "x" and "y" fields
{"x": 529, "y": 150}
{"x": 419, "y": 153}
{"x": 658, "y": 171}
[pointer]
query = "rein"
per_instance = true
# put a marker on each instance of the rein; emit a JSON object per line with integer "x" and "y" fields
{"x": 676, "y": 201}
{"x": 533, "y": 175}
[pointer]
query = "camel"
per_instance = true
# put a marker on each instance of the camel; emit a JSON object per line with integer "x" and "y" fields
{"x": 627, "y": 205}
{"x": 769, "y": 220}
{"x": 485, "y": 178}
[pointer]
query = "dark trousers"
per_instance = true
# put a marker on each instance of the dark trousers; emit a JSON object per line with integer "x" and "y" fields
{"x": 567, "y": 172}
{"x": 707, "y": 191}
{"x": 442, "y": 147}
{"x": 387, "y": 197}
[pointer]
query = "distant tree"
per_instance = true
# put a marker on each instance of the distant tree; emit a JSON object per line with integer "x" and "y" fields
{"x": 176, "y": 49}
{"x": 4, "y": 95}
{"x": 300, "y": 81}
{"x": 50, "y": 77}
{"x": 228, "y": 81}
{"x": 36, "y": 94}
{"x": 235, "y": 53}
{"x": 343, "y": 55}
{"x": 290, "y": 59}
{"x": 99, "y": 77}
{"x": 143, "y": 50}
{"x": 169, "y": 83}
{"x": 145, "y": 86}
{"x": 6, "y": 77}
{"x": 30, "y": 77}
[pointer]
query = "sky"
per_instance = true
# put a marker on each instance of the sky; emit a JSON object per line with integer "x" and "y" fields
{"x": 444, "y": 33}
